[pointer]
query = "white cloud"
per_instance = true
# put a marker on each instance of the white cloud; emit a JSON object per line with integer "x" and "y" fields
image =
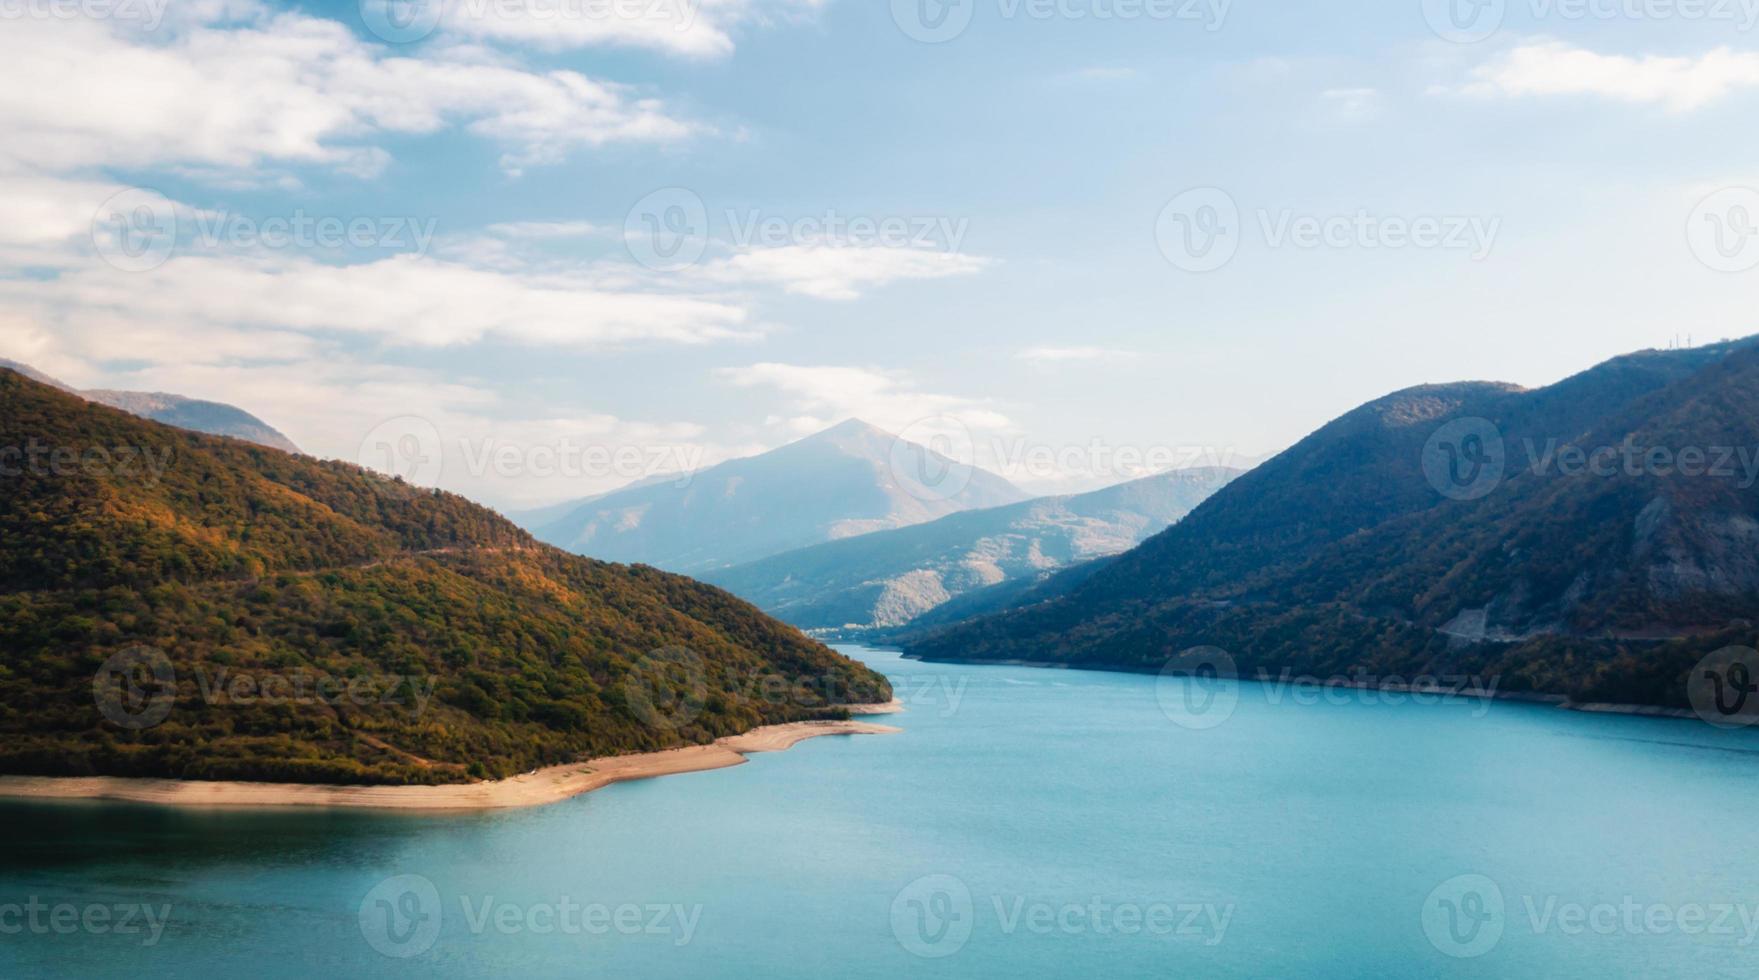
{"x": 48, "y": 211}
{"x": 284, "y": 89}
{"x": 214, "y": 302}
{"x": 340, "y": 409}
{"x": 833, "y": 393}
{"x": 1552, "y": 68}
{"x": 406, "y": 299}
{"x": 839, "y": 272}
{"x": 337, "y": 407}
{"x": 690, "y": 28}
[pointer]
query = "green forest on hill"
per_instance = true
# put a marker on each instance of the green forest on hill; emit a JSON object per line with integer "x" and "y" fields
{"x": 404, "y": 635}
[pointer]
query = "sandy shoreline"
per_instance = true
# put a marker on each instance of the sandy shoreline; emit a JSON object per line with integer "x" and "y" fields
{"x": 544, "y": 786}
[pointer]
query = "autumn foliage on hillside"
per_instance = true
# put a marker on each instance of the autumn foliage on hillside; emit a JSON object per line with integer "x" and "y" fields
{"x": 312, "y": 621}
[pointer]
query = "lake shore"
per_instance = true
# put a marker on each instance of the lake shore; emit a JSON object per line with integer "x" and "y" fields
{"x": 544, "y": 786}
{"x": 1466, "y": 691}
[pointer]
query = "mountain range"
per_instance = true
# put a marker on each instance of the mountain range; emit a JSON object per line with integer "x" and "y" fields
{"x": 887, "y": 579}
{"x": 381, "y": 633}
{"x": 213, "y": 418}
{"x": 1591, "y": 539}
{"x": 847, "y": 480}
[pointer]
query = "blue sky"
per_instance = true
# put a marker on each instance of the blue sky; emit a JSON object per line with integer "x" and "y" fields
{"x": 1394, "y": 206}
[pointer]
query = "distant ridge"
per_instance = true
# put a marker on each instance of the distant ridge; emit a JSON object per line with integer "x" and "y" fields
{"x": 850, "y": 479}
{"x": 889, "y": 578}
{"x": 1357, "y": 551}
{"x": 214, "y": 418}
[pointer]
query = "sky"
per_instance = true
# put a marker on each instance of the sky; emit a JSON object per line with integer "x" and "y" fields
{"x": 531, "y": 250}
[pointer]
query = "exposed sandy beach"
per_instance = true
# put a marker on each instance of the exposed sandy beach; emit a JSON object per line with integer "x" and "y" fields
{"x": 533, "y": 789}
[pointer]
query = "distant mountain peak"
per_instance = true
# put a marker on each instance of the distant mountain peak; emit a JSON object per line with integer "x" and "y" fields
{"x": 213, "y": 418}
{"x": 854, "y": 425}
{"x": 829, "y": 485}
{"x": 850, "y": 434}
{"x": 964, "y": 560}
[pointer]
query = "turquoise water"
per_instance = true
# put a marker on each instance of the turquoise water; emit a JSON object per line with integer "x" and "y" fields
{"x": 1028, "y": 823}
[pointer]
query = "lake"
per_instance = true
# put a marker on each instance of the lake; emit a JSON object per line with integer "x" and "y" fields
{"x": 1028, "y": 822}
